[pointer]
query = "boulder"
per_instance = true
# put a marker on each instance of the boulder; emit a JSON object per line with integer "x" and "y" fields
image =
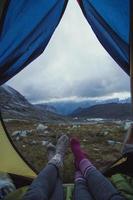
{"x": 44, "y": 143}
{"x": 46, "y": 132}
{"x": 41, "y": 128}
{"x": 127, "y": 125}
{"x": 21, "y": 133}
{"x": 112, "y": 142}
{"x": 105, "y": 133}
{"x": 33, "y": 142}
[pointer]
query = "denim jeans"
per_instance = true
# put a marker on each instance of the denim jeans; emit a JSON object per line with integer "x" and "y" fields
{"x": 99, "y": 187}
{"x": 48, "y": 186}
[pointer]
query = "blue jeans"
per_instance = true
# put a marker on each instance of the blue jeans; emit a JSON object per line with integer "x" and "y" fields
{"x": 48, "y": 186}
{"x": 96, "y": 187}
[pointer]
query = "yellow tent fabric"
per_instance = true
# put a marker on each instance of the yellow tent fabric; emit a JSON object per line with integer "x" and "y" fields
{"x": 10, "y": 161}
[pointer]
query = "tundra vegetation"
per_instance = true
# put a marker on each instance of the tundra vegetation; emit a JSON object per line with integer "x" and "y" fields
{"x": 102, "y": 141}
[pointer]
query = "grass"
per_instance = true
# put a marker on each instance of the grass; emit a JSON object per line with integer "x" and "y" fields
{"x": 94, "y": 139}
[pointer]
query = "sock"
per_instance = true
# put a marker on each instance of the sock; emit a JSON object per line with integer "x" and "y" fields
{"x": 78, "y": 153}
{"x": 79, "y": 176}
{"x": 56, "y": 161}
{"x": 51, "y": 150}
{"x": 85, "y": 166}
{"x": 62, "y": 145}
{"x": 81, "y": 162}
{"x": 61, "y": 148}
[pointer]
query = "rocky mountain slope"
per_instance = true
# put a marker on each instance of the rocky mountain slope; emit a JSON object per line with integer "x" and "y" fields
{"x": 13, "y": 105}
{"x": 108, "y": 111}
{"x": 46, "y": 107}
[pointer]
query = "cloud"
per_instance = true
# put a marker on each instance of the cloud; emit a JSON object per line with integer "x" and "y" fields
{"x": 73, "y": 64}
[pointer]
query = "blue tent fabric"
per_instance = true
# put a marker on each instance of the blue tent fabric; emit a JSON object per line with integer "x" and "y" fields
{"x": 110, "y": 22}
{"x": 29, "y": 25}
{"x": 27, "y": 29}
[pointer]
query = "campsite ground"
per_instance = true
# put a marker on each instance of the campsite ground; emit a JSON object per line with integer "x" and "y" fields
{"x": 102, "y": 141}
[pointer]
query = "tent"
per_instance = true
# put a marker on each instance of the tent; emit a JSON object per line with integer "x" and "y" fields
{"x": 25, "y": 30}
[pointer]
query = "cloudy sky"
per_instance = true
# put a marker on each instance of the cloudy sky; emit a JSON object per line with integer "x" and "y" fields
{"x": 73, "y": 66}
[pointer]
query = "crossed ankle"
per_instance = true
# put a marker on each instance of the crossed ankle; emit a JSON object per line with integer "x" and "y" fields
{"x": 57, "y": 160}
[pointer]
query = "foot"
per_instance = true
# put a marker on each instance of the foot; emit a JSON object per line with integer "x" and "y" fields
{"x": 77, "y": 151}
{"x": 62, "y": 145}
{"x": 61, "y": 148}
{"x": 76, "y": 164}
{"x": 51, "y": 149}
{"x": 81, "y": 162}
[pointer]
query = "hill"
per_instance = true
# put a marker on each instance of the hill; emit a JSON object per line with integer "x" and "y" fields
{"x": 69, "y": 106}
{"x": 108, "y": 111}
{"x": 13, "y": 105}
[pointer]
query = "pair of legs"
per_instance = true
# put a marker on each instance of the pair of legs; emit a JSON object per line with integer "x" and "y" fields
{"x": 90, "y": 184}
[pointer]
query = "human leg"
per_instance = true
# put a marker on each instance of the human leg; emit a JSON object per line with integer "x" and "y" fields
{"x": 81, "y": 191}
{"x": 60, "y": 150}
{"x": 44, "y": 185}
{"x": 58, "y": 193}
{"x": 98, "y": 185}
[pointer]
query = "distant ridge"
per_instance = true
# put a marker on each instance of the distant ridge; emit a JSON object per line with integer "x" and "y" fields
{"x": 68, "y": 107}
{"x": 108, "y": 111}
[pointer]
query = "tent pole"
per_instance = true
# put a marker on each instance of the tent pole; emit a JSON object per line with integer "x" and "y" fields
{"x": 131, "y": 50}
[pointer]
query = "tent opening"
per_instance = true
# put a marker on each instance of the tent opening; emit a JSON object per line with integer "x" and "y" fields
{"x": 74, "y": 87}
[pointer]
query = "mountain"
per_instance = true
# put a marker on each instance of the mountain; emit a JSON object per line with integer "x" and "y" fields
{"x": 108, "y": 111}
{"x": 45, "y": 107}
{"x": 67, "y": 107}
{"x": 13, "y": 105}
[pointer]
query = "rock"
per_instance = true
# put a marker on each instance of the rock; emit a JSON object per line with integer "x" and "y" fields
{"x": 84, "y": 140}
{"x": 33, "y": 142}
{"x": 17, "y": 138}
{"x": 127, "y": 125}
{"x": 74, "y": 126}
{"x": 46, "y": 132}
{"x": 105, "y": 133}
{"x": 15, "y": 133}
{"x": 102, "y": 133}
{"x": 95, "y": 149}
{"x": 23, "y": 133}
{"x": 41, "y": 128}
{"x": 112, "y": 142}
{"x": 75, "y": 118}
{"x": 119, "y": 122}
{"x": 44, "y": 143}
